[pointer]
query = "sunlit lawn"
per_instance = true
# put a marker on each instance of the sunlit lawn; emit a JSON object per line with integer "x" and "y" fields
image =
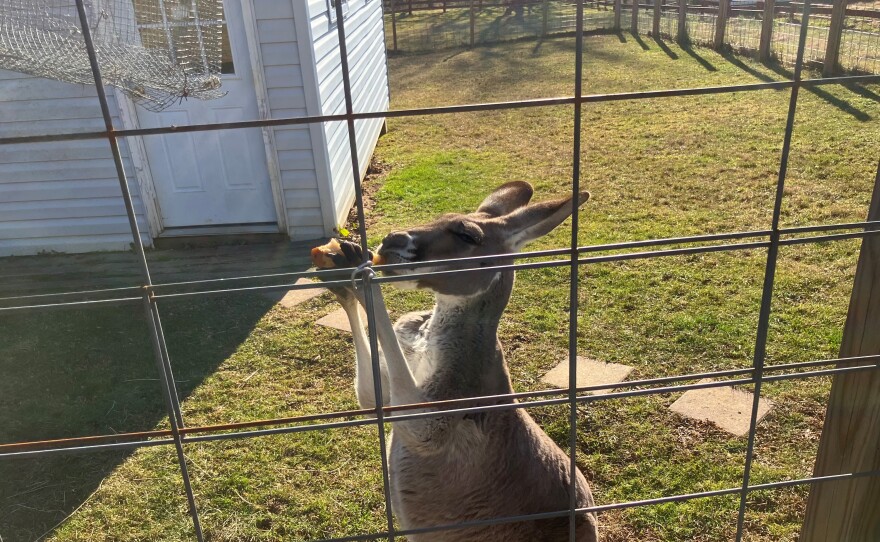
{"x": 659, "y": 168}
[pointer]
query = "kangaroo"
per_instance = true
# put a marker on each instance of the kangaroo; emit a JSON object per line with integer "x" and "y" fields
{"x": 464, "y": 467}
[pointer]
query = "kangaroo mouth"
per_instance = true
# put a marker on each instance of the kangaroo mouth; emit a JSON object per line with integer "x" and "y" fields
{"x": 390, "y": 257}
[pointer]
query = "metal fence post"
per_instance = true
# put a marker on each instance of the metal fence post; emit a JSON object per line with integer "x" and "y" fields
{"x": 850, "y": 509}
{"x": 617, "y": 9}
{"x": 835, "y": 31}
{"x": 682, "y": 36}
{"x": 767, "y": 30}
{"x": 655, "y": 28}
{"x": 634, "y": 23}
{"x": 721, "y": 23}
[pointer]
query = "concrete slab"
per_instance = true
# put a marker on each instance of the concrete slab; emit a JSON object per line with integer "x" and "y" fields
{"x": 589, "y": 372}
{"x": 292, "y": 298}
{"x": 728, "y": 408}
{"x": 338, "y": 320}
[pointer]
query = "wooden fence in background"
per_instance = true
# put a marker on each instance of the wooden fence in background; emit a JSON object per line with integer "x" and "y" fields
{"x": 646, "y": 17}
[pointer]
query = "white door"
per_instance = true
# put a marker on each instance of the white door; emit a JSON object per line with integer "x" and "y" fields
{"x": 217, "y": 177}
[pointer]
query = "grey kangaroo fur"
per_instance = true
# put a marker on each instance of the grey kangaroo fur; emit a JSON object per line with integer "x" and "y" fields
{"x": 458, "y": 468}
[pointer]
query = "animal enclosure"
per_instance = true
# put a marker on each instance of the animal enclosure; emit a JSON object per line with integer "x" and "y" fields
{"x": 769, "y": 29}
{"x": 657, "y": 385}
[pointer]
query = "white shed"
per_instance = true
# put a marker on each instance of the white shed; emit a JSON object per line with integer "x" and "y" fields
{"x": 281, "y": 60}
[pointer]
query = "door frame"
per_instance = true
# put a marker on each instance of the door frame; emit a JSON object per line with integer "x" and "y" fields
{"x": 137, "y": 149}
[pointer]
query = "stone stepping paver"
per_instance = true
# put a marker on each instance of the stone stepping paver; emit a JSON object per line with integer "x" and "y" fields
{"x": 292, "y": 298}
{"x": 338, "y": 320}
{"x": 589, "y": 372}
{"x": 728, "y": 408}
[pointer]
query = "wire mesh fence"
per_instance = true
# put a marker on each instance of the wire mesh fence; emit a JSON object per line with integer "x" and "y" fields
{"x": 860, "y": 44}
{"x": 148, "y": 294}
{"x": 785, "y": 42}
{"x": 668, "y": 22}
{"x": 701, "y": 25}
{"x": 424, "y": 26}
{"x": 743, "y": 31}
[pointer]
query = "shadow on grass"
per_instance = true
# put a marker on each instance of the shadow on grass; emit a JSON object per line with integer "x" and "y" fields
{"x": 638, "y": 39}
{"x": 71, "y": 372}
{"x": 688, "y": 48}
{"x": 665, "y": 48}
{"x": 785, "y": 73}
{"x": 862, "y": 91}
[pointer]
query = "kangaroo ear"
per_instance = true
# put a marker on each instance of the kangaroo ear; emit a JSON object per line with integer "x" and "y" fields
{"x": 506, "y": 198}
{"x": 528, "y": 223}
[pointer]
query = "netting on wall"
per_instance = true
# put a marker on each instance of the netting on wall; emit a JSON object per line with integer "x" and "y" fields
{"x": 157, "y": 51}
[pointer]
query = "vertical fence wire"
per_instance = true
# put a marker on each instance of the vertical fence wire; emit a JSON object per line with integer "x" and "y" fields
{"x": 368, "y": 290}
{"x": 744, "y": 30}
{"x": 573, "y": 277}
{"x": 166, "y": 378}
{"x": 860, "y": 41}
{"x": 770, "y": 275}
{"x": 157, "y": 334}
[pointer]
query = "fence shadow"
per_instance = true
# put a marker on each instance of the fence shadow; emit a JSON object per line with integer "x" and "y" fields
{"x": 638, "y": 39}
{"x": 92, "y": 371}
{"x": 665, "y": 48}
{"x": 862, "y": 91}
{"x": 839, "y": 103}
{"x": 689, "y": 49}
{"x": 786, "y": 73}
{"x": 737, "y": 61}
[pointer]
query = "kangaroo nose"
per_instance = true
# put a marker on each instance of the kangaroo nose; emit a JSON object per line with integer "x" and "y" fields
{"x": 396, "y": 240}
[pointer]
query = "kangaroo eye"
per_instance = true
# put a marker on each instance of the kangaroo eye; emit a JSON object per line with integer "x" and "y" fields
{"x": 467, "y": 238}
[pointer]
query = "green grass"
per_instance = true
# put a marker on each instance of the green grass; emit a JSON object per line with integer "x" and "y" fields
{"x": 658, "y": 168}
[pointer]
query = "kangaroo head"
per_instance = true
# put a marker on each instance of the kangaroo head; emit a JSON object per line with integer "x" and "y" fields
{"x": 503, "y": 223}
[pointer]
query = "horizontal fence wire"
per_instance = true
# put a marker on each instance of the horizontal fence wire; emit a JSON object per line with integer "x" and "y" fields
{"x": 781, "y": 84}
{"x": 534, "y": 21}
{"x": 860, "y": 40}
{"x": 605, "y": 508}
{"x": 470, "y": 405}
{"x": 332, "y": 277}
{"x": 743, "y": 30}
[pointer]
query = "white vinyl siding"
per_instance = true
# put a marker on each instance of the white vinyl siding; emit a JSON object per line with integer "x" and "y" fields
{"x": 60, "y": 196}
{"x": 280, "y": 57}
{"x": 369, "y": 82}
{"x": 64, "y": 196}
